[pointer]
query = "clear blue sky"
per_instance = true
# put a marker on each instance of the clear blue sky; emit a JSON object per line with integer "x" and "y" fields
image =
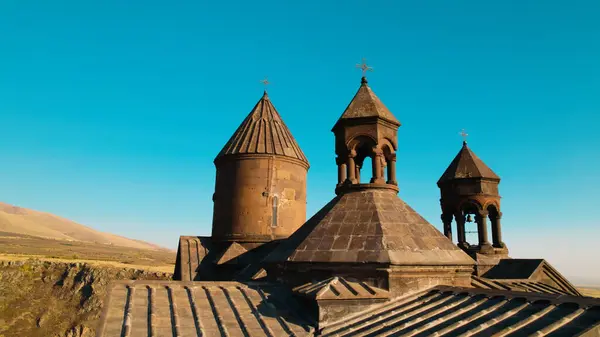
{"x": 112, "y": 111}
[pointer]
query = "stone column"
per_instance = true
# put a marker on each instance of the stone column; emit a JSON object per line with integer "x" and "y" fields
{"x": 497, "y": 231}
{"x": 351, "y": 168}
{"x": 493, "y": 219}
{"x": 447, "y": 220}
{"x": 459, "y": 217}
{"x": 341, "y": 170}
{"x": 481, "y": 219}
{"x": 358, "y": 174}
{"x": 376, "y": 159}
{"x": 391, "y": 171}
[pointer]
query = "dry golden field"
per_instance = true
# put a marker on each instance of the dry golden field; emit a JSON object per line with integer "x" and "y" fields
{"x": 20, "y": 247}
{"x": 592, "y": 292}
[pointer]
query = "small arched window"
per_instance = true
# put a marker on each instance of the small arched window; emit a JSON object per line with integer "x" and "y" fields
{"x": 274, "y": 217}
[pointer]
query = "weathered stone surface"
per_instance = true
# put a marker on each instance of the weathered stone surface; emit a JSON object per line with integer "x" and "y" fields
{"x": 263, "y": 131}
{"x": 191, "y": 252}
{"x": 338, "y": 288}
{"x": 258, "y": 198}
{"x": 136, "y": 308}
{"x": 528, "y": 275}
{"x": 525, "y": 285}
{"x": 466, "y": 164}
{"x": 233, "y": 251}
{"x": 260, "y": 188}
{"x": 201, "y": 309}
{"x": 202, "y": 259}
{"x": 453, "y": 311}
{"x": 370, "y": 226}
{"x": 366, "y": 104}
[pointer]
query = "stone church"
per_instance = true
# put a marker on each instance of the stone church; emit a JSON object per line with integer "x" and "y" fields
{"x": 366, "y": 264}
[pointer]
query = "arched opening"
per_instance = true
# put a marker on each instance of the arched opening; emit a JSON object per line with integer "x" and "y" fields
{"x": 363, "y": 163}
{"x": 476, "y": 227}
{"x": 470, "y": 211}
{"x": 389, "y": 171}
{"x": 386, "y": 171}
{"x": 359, "y": 148}
{"x": 365, "y": 168}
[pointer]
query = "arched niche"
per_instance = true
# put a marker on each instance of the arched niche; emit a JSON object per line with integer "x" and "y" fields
{"x": 470, "y": 210}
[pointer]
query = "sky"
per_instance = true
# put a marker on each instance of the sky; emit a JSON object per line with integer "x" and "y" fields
{"x": 113, "y": 111}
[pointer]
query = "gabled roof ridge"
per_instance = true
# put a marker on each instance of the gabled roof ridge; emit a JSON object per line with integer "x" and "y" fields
{"x": 561, "y": 280}
{"x": 528, "y": 296}
{"x": 232, "y": 251}
{"x": 326, "y": 288}
{"x": 338, "y": 287}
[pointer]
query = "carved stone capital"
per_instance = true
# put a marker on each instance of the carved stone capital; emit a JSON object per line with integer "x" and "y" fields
{"x": 352, "y": 154}
{"x": 446, "y": 217}
{"x": 377, "y": 152}
{"x": 460, "y": 217}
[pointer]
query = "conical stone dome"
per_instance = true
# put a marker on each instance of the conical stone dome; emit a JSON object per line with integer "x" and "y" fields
{"x": 263, "y": 132}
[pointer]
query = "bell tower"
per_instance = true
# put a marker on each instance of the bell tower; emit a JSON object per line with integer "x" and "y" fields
{"x": 366, "y": 232}
{"x": 366, "y": 129}
{"x": 469, "y": 192}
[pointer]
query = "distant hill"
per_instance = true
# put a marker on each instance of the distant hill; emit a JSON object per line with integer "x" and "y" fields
{"x": 24, "y": 221}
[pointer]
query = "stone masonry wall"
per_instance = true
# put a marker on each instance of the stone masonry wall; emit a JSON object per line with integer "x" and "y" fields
{"x": 245, "y": 191}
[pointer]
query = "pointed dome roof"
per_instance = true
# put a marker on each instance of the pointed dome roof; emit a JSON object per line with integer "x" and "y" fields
{"x": 366, "y": 104}
{"x": 369, "y": 226}
{"x": 263, "y": 132}
{"x": 467, "y": 165}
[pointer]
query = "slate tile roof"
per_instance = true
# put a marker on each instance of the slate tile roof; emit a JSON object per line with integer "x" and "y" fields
{"x": 448, "y": 311}
{"x": 517, "y": 285}
{"x": 198, "y": 259}
{"x": 263, "y": 131}
{"x": 527, "y": 275}
{"x": 171, "y": 308}
{"x": 369, "y": 226}
{"x": 191, "y": 251}
{"x": 514, "y": 268}
{"x": 466, "y": 164}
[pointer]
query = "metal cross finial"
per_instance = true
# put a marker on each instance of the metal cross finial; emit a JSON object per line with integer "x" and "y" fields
{"x": 265, "y": 82}
{"x": 364, "y": 67}
{"x": 464, "y": 135}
